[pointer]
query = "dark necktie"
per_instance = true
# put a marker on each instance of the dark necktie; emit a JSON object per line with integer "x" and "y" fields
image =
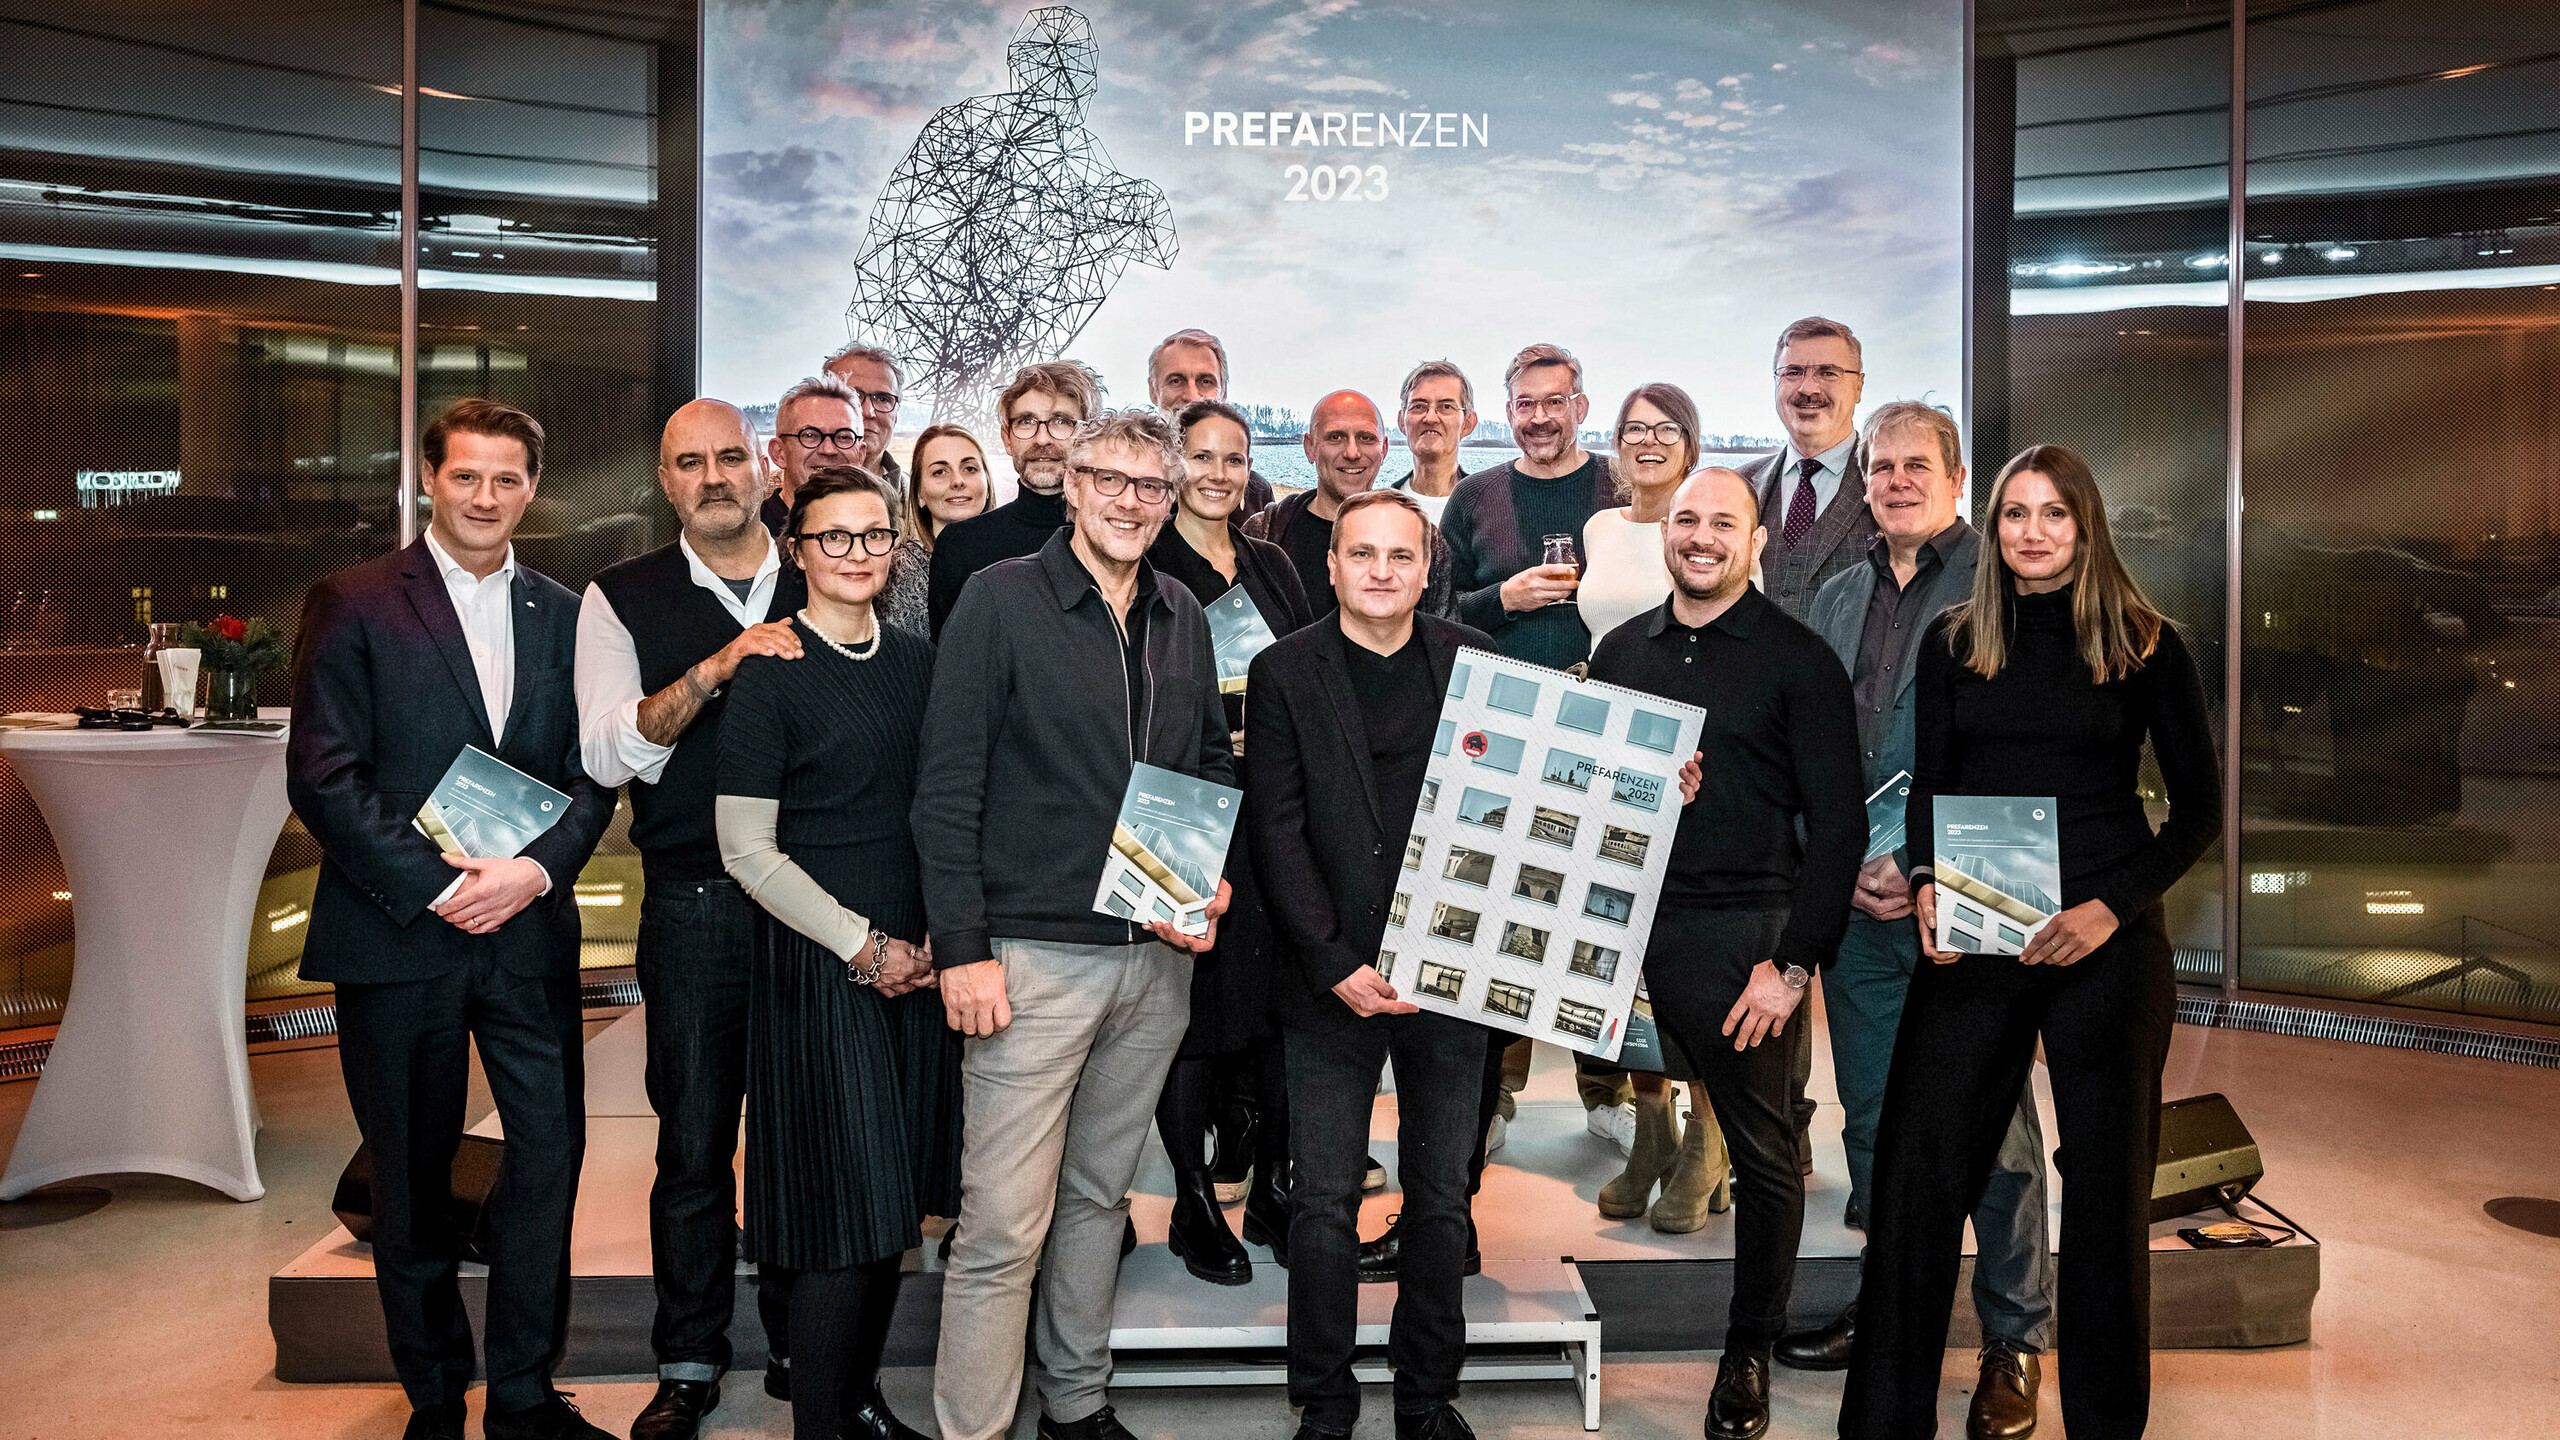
{"x": 1800, "y": 509}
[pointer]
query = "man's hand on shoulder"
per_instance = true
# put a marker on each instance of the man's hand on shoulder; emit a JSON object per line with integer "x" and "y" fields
{"x": 773, "y": 637}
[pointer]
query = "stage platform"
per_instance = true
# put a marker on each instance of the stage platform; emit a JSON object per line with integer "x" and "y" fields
{"x": 1547, "y": 1250}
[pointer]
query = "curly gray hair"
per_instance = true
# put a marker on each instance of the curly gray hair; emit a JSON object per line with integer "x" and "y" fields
{"x": 1136, "y": 427}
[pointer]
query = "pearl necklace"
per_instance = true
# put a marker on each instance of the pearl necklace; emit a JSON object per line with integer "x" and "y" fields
{"x": 863, "y": 654}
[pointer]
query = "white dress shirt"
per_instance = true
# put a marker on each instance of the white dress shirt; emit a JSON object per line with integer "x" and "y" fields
{"x": 1834, "y": 464}
{"x": 486, "y": 608}
{"x": 608, "y": 672}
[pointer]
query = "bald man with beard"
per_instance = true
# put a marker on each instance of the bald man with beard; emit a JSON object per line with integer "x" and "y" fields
{"x": 659, "y": 635}
{"x": 1346, "y": 442}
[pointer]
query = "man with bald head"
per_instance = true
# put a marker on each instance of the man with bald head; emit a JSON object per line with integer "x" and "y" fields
{"x": 1346, "y": 441}
{"x": 659, "y": 635}
{"x": 1757, "y": 891}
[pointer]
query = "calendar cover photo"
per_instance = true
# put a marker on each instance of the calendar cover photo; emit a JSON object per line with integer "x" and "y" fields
{"x": 1998, "y": 870}
{"x": 1537, "y": 852}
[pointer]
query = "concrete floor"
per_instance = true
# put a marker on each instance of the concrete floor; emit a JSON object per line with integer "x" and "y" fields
{"x": 149, "y": 1316}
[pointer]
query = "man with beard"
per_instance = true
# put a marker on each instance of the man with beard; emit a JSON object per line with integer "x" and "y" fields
{"x": 1439, "y": 412}
{"x": 1346, "y": 441}
{"x": 1190, "y": 365}
{"x": 1058, "y": 674}
{"x": 1040, "y": 410}
{"x": 871, "y": 373}
{"x": 1748, "y": 910}
{"x": 1498, "y": 519}
{"x": 817, "y": 423}
{"x": 650, "y": 690}
{"x": 1814, "y": 489}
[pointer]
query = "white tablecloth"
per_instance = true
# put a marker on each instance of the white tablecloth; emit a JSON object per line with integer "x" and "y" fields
{"x": 165, "y": 839}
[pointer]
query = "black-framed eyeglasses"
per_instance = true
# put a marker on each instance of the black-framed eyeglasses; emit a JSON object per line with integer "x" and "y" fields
{"x": 882, "y": 400}
{"x": 1827, "y": 374}
{"x": 837, "y": 544}
{"x": 1152, "y": 490}
{"x": 1056, "y": 428}
{"x": 811, "y": 437}
{"x": 1660, "y": 432}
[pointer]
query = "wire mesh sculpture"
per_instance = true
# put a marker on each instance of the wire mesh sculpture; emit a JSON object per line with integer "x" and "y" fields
{"x": 1004, "y": 228}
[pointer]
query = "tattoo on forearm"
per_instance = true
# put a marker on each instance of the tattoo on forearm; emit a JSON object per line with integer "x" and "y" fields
{"x": 665, "y": 715}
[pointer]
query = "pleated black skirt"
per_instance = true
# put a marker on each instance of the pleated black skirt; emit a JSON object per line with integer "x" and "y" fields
{"x": 853, "y": 1107}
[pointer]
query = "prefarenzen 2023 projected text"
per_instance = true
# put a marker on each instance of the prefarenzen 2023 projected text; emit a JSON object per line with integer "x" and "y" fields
{"x": 1355, "y": 129}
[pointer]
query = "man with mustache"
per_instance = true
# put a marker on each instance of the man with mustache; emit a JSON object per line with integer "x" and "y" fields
{"x": 1748, "y": 910}
{"x": 1040, "y": 410}
{"x": 1813, "y": 490}
{"x": 817, "y": 423}
{"x": 1439, "y": 411}
{"x": 1190, "y": 365}
{"x": 650, "y": 690}
{"x": 1346, "y": 441}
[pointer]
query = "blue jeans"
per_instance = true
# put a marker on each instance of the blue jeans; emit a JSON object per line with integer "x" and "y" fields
{"x": 692, "y": 962}
{"x": 1862, "y": 992}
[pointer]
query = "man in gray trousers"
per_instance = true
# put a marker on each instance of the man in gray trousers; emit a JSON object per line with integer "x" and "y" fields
{"x": 1921, "y": 562}
{"x": 1057, "y": 673}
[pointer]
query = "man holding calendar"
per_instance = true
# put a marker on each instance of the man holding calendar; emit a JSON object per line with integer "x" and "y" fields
{"x": 404, "y": 661}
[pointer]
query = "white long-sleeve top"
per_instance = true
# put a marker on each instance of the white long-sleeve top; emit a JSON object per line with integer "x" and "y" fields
{"x": 608, "y": 672}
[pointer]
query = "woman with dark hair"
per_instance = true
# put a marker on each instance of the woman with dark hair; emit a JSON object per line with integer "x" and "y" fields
{"x": 947, "y": 482}
{"x": 853, "y": 1083}
{"x": 2046, "y": 682}
{"x": 1231, "y": 1033}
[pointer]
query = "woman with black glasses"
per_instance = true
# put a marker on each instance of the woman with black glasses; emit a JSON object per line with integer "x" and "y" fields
{"x": 2046, "y": 682}
{"x": 853, "y": 1101}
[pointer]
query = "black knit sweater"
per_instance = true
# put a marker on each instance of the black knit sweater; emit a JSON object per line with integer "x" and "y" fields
{"x": 2044, "y": 727}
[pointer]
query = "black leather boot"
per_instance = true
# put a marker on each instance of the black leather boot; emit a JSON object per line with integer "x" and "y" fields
{"x": 1378, "y": 1257}
{"x": 1236, "y": 1128}
{"x": 1738, "y": 1408}
{"x": 871, "y": 1420}
{"x": 1266, "y": 1208}
{"x": 1823, "y": 1349}
{"x": 1199, "y": 1233}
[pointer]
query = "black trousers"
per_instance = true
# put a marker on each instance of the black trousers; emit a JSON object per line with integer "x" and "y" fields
{"x": 1967, "y": 1040}
{"x": 1694, "y": 968}
{"x": 695, "y": 936}
{"x": 405, "y": 1048}
{"x": 1333, "y": 1083}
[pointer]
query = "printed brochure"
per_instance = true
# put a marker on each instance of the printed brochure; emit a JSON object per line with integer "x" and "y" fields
{"x": 487, "y": 808}
{"x": 1998, "y": 869}
{"x": 1168, "y": 849}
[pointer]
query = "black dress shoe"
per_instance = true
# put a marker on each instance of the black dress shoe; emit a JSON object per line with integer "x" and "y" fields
{"x": 676, "y": 1411}
{"x": 777, "y": 1380}
{"x": 553, "y": 1419}
{"x": 435, "y": 1422}
{"x": 1266, "y": 1210}
{"x": 1738, "y": 1408}
{"x": 1198, "y": 1233}
{"x": 869, "y": 1420}
{"x": 1100, "y": 1425}
{"x": 1440, "y": 1422}
{"x": 1378, "y": 1257}
{"x": 1824, "y": 1349}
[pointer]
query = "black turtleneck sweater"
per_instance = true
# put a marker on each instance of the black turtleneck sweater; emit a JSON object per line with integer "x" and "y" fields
{"x": 1020, "y": 526}
{"x": 2044, "y": 727}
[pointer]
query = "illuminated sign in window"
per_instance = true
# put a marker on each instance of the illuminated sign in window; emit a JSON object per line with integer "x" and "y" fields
{"x": 114, "y": 487}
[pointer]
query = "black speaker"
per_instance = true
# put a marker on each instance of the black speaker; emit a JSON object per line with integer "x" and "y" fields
{"x": 475, "y": 1174}
{"x": 2207, "y": 1158}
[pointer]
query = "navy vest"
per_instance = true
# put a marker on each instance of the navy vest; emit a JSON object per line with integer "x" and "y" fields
{"x": 675, "y": 625}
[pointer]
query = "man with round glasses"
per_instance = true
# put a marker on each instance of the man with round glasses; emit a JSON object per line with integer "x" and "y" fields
{"x": 871, "y": 373}
{"x": 817, "y": 423}
{"x": 1498, "y": 519}
{"x": 1040, "y": 409}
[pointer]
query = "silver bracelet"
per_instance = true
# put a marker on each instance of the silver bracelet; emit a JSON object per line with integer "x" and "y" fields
{"x": 854, "y": 972}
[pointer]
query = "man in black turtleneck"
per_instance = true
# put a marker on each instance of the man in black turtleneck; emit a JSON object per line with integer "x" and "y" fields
{"x": 1040, "y": 410}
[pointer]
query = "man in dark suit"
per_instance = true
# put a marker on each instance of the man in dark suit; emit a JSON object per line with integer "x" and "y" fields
{"x": 402, "y": 662}
{"x": 1340, "y": 730}
{"x": 1813, "y": 492}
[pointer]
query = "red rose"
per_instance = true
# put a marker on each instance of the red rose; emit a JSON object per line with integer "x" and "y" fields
{"x": 230, "y": 627}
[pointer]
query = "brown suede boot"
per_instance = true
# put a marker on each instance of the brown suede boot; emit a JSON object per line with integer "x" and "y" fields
{"x": 1701, "y": 1184}
{"x": 1657, "y": 1150}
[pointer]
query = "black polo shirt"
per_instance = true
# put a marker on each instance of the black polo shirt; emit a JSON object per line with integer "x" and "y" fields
{"x": 1780, "y": 745}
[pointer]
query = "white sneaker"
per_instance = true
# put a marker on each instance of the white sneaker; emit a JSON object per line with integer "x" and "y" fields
{"x": 1615, "y": 1124}
{"x": 1495, "y": 1134}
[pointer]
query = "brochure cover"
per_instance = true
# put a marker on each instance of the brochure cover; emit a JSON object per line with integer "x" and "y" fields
{"x": 1884, "y": 814}
{"x": 1537, "y": 851}
{"x": 1998, "y": 870}
{"x": 1236, "y": 634}
{"x": 1168, "y": 849}
{"x": 488, "y": 808}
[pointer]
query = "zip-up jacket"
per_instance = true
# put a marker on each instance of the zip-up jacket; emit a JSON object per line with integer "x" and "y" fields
{"x": 1028, "y": 742}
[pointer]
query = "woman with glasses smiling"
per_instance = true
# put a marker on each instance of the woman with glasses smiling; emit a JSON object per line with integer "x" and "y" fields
{"x": 853, "y": 1097}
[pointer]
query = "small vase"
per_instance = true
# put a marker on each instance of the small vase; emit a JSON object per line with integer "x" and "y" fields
{"x": 230, "y": 695}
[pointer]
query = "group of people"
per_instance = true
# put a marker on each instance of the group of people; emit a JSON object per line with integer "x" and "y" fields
{"x": 875, "y": 735}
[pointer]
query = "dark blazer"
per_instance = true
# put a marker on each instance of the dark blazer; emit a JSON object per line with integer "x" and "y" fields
{"x": 1839, "y": 616}
{"x": 1322, "y": 846}
{"x": 384, "y": 696}
{"x": 1837, "y": 540}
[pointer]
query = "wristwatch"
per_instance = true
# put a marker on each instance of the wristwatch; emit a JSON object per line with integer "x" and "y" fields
{"x": 1796, "y": 976}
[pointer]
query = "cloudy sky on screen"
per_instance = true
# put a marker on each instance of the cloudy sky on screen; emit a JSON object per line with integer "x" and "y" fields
{"x": 1667, "y": 185}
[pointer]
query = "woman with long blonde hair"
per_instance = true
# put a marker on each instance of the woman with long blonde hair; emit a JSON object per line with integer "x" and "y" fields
{"x": 2045, "y": 684}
